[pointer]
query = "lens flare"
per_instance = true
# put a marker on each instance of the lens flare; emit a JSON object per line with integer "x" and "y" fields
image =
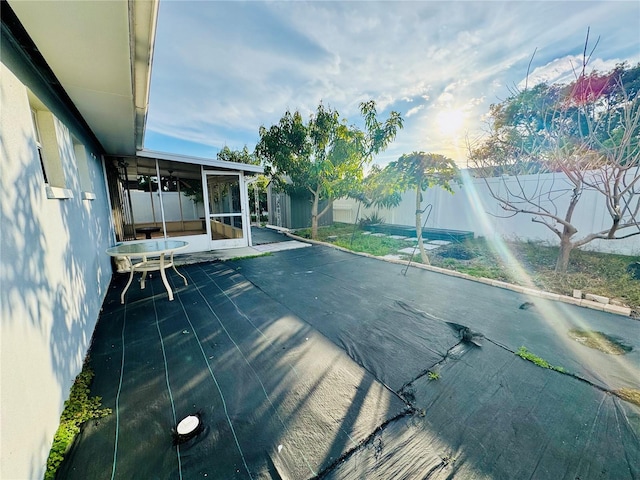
{"x": 559, "y": 316}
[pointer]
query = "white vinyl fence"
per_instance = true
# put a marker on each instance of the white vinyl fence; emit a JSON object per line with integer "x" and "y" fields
{"x": 472, "y": 208}
{"x": 177, "y": 207}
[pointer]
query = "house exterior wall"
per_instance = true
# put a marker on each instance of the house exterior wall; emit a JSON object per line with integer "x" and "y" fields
{"x": 472, "y": 208}
{"x": 54, "y": 273}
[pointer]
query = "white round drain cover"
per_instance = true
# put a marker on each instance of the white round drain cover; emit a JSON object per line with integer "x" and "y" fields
{"x": 188, "y": 424}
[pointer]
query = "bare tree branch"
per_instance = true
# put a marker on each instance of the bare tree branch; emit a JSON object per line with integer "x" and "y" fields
{"x": 550, "y": 144}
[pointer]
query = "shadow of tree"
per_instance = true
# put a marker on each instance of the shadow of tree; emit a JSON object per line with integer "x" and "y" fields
{"x": 274, "y": 394}
{"x": 54, "y": 276}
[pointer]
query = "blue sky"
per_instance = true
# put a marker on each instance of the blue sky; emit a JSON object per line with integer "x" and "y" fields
{"x": 221, "y": 69}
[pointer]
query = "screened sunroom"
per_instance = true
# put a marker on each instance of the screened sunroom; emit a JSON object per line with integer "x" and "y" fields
{"x": 163, "y": 195}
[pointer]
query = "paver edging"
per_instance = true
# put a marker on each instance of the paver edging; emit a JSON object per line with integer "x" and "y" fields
{"x": 614, "y": 309}
{"x": 618, "y": 310}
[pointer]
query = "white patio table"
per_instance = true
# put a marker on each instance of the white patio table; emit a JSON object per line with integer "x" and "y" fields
{"x": 149, "y": 248}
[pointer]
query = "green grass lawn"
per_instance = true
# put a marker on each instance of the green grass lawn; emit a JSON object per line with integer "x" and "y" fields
{"x": 521, "y": 263}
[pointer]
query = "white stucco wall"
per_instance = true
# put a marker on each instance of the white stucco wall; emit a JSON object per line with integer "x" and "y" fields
{"x": 472, "y": 208}
{"x": 53, "y": 278}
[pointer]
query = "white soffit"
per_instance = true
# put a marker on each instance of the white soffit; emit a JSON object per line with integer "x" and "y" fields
{"x": 87, "y": 46}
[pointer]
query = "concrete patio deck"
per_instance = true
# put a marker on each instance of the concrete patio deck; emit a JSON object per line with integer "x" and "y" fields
{"x": 265, "y": 240}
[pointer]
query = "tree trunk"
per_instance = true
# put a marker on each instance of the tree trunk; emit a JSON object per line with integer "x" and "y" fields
{"x": 423, "y": 254}
{"x": 314, "y": 216}
{"x": 562, "y": 263}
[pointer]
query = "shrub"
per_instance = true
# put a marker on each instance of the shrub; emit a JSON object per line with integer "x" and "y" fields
{"x": 459, "y": 251}
{"x": 373, "y": 219}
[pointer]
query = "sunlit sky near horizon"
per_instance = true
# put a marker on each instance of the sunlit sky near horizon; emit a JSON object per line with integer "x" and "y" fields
{"x": 221, "y": 69}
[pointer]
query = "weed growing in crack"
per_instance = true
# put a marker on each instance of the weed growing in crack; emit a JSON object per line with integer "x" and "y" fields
{"x": 541, "y": 362}
{"x": 79, "y": 408}
{"x": 433, "y": 376}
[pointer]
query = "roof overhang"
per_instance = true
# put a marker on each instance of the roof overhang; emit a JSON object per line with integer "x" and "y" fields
{"x": 205, "y": 162}
{"x": 101, "y": 53}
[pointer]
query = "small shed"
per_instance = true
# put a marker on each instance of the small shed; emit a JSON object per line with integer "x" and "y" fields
{"x": 294, "y": 211}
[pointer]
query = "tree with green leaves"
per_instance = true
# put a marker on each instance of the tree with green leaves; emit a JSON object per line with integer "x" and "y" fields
{"x": 568, "y": 139}
{"x": 379, "y": 189}
{"x": 258, "y": 196}
{"x": 324, "y": 156}
{"x": 192, "y": 188}
{"x": 415, "y": 171}
{"x": 238, "y": 156}
{"x": 259, "y": 186}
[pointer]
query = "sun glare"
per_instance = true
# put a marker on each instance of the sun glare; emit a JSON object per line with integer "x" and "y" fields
{"x": 558, "y": 315}
{"x": 450, "y": 121}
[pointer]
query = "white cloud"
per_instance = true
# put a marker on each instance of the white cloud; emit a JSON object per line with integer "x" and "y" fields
{"x": 222, "y": 69}
{"x": 565, "y": 70}
{"x": 412, "y": 111}
{"x": 445, "y": 98}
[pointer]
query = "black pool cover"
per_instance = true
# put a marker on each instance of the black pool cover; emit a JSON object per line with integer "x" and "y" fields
{"x": 315, "y": 363}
